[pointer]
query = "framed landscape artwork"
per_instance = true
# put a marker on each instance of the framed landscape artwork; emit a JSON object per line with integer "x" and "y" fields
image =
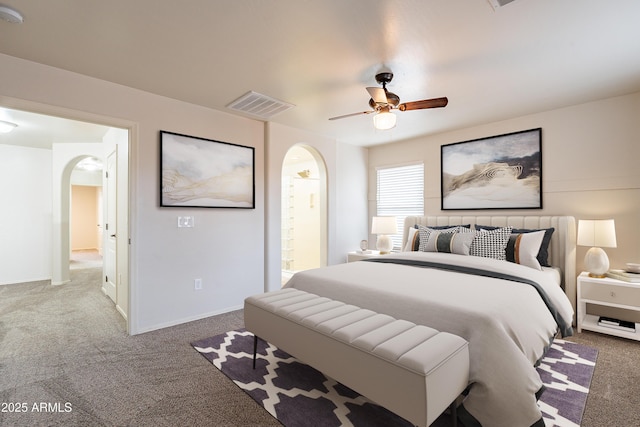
{"x": 498, "y": 172}
{"x": 203, "y": 173}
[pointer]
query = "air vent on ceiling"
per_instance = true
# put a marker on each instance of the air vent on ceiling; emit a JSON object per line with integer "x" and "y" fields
{"x": 499, "y": 3}
{"x": 259, "y": 105}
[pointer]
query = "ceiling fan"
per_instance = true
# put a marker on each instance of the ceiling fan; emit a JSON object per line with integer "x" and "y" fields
{"x": 382, "y": 102}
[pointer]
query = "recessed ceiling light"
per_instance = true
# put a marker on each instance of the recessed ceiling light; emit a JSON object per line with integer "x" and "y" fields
{"x": 89, "y": 164}
{"x": 6, "y": 127}
{"x": 10, "y": 15}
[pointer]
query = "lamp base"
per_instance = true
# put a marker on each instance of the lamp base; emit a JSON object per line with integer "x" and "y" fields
{"x": 596, "y": 262}
{"x": 384, "y": 244}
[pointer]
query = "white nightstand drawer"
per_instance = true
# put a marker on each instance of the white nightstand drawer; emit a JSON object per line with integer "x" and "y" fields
{"x": 607, "y": 293}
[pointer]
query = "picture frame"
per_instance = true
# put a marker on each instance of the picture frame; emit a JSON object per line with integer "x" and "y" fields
{"x": 205, "y": 173}
{"x": 496, "y": 172}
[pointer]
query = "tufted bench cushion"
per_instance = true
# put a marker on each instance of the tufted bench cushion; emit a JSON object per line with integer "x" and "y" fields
{"x": 412, "y": 370}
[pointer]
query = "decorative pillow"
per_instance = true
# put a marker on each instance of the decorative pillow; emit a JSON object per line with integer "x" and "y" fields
{"x": 424, "y": 233}
{"x": 452, "y": 243}
{"x": 491, "y": 243}
{"x": 523, "y": 248}
{"x": 543, "y": 253}
{"x": 413, "y": 238}
{"x": 446, "y": 227}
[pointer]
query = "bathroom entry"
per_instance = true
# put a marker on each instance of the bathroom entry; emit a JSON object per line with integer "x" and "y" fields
{"x": 303, "y": 228}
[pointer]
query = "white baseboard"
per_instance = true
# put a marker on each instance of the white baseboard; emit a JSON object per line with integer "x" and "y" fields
{"x": 187, "y": 320}
{"x": 121, "y": 311}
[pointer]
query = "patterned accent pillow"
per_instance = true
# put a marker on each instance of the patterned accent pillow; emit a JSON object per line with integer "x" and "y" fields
{"x": 413, "y": 237}
{"x": 523, "y": 248}
{"x": 425, "y": 232}
{"x": 491, "y": 243}
{"x": 543, "y": 252}
{"x": 447, "y": 242}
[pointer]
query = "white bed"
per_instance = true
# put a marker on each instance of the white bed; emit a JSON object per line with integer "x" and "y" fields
{"x": 508, "y": 325}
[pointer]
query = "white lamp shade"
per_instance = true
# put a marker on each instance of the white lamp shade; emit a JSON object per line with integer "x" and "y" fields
{"x": 597, "y": 233}
{"x": 384, "y": 120}
{"x": 384, "y": 225}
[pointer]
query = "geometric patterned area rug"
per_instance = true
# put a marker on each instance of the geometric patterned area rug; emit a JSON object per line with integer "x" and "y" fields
{"x": 299, "y": 396}
{"x": 566, "y": 372}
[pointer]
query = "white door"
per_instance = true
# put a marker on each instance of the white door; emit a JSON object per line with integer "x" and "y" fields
{"x": 110, "y": 264}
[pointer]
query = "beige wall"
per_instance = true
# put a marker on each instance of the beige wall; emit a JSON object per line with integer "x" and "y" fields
{"x": 84, "y": 217}
{"x": 590, "y": 168}
{"x": 164, "y": 259}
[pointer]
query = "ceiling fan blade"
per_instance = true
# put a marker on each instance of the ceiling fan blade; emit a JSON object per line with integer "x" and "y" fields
{"x": 352, "y": 114}
{"x": 425, "y": 103}
{"x": 378, "y": 95}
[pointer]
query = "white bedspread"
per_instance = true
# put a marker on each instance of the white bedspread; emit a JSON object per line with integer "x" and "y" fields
{"x": 507, "y": 324}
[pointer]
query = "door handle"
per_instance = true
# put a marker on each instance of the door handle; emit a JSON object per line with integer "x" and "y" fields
{"x": 113, "y": 235}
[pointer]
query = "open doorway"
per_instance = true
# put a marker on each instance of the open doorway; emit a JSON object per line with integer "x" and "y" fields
{"x": 47, "y": 149}
{"x": 303, "y": 207}
{"x": 86, "y": 214}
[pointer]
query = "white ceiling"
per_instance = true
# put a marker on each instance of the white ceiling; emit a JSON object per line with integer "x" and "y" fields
{"x": 525, "y": 57}
{"x": 40, "y": 131}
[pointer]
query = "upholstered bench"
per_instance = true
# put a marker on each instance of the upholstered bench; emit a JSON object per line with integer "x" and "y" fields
{"x": 412, "y": 370}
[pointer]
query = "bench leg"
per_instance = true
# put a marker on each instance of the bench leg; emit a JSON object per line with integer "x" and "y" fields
{"x": 255, "y": 350}
{"x": 453, "y": 409}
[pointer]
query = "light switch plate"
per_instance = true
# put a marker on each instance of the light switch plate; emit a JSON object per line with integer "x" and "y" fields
{"x": 185, "y": 221}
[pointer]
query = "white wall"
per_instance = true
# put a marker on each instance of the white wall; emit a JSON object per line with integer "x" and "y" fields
{"x": 351, "y": 199}
{"x": 590, "y": 155}
{"x": 25, "y": 215}
{"x": 164, "y": 259}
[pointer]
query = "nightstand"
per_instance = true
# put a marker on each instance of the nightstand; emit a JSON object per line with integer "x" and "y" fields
{"x": 356, "y": 256}
{"x": 610, "y": 293}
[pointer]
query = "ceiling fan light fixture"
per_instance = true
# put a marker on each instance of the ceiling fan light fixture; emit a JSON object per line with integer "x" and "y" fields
{"x": 384, "y": 120}
{"x": 10, "y": 15}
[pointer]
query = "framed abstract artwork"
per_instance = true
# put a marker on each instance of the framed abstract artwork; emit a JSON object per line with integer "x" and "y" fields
{"x": 204, "y": 173}
{"x": 497, "y": 172}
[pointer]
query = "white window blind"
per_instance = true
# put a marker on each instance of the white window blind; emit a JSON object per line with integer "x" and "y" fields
{"x": 400, "y": 193}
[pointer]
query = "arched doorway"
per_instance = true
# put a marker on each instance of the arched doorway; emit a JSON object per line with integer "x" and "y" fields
{"x": 86, "y": 213}
{"x": 65, "y": 158}
{"x": 303, "y": 211}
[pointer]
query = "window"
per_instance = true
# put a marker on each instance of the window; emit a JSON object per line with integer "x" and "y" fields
{"x": 400, "y": 193}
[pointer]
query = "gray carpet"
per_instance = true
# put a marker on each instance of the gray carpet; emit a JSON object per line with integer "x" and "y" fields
{"x": 67, "y": 344}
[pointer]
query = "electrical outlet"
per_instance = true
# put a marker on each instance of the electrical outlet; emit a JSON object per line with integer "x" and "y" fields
{"x": 185, "y": 222}
{"x": 197, "y": 284}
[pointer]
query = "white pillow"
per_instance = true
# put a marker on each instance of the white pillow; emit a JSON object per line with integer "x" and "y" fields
{"x": 525, "y": 248}
{"x": 411, "y": 239}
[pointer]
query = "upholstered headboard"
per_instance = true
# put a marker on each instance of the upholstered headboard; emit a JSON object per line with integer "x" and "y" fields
{"x": 562, "y": 249}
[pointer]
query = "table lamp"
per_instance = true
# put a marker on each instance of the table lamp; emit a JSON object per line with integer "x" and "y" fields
{"x": 597, "y": 234}
{"x": 383, "y": 226}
